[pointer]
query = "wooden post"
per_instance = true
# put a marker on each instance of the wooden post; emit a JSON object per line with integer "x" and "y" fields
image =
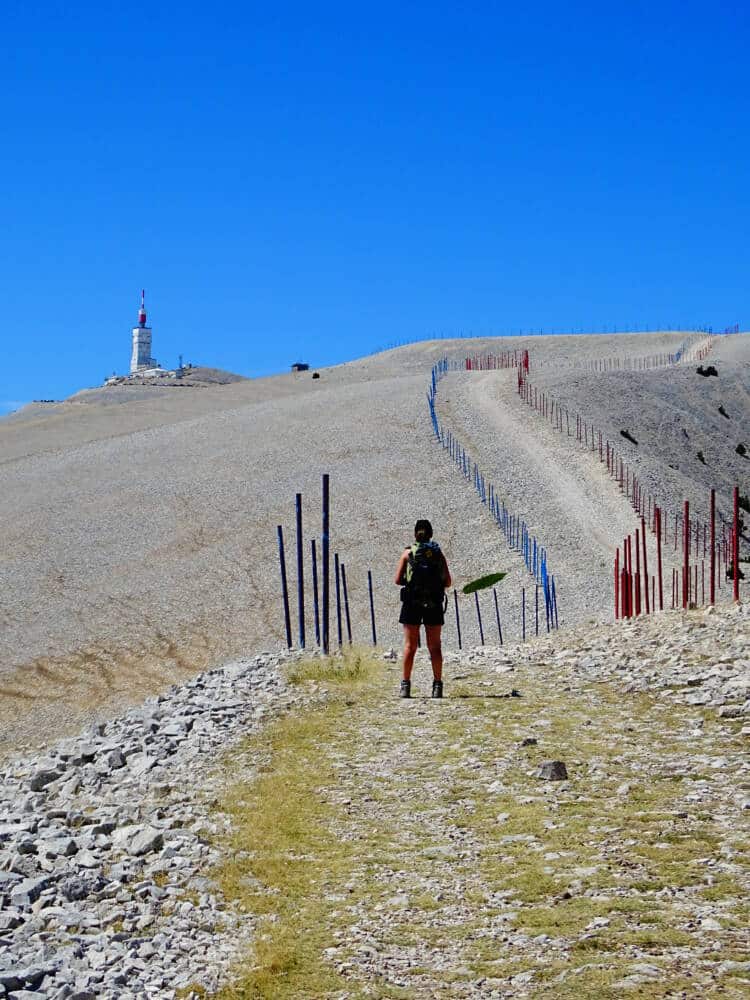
{"x": 645, "y": 565}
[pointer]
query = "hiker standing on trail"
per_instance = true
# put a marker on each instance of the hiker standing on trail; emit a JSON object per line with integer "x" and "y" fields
{"x": 423, "y": 576}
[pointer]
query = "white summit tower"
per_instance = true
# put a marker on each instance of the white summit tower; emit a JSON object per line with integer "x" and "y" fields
{"x": 141, "y": 356}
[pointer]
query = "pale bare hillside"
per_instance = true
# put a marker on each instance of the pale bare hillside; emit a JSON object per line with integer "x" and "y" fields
{"x": 140, "y": 538}
{"x": 686, "y": 444}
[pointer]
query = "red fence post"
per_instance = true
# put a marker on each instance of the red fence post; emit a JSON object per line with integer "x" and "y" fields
{"x": 637, "y": 574}
{"x": 625, "y": 586}
{"x": 686, "y": 558}
{"x": 617, "y": 584}
{"x": 658, "y": 557}
{"x": 645, "y": 564}
{"x": 736, "y": 545}
{"x": 712, "y": 585}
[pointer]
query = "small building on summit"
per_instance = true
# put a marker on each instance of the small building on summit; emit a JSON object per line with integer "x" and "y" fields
{"x": 300, "y": 366}
{"x": 141, "y": 359}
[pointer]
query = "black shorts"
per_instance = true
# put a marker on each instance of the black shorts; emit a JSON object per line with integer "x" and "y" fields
{"x": 415, "y": 614}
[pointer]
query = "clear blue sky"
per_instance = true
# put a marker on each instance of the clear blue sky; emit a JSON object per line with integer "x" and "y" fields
{"x": 313, "y": 181}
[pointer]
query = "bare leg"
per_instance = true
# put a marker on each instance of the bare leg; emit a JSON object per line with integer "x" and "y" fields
{"x": 436, "y": 650}
{"x": 411, "y": 637}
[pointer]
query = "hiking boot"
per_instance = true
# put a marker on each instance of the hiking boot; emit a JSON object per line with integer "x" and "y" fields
{"x": 405, "y": 691}
{"x": 437, "y": 689}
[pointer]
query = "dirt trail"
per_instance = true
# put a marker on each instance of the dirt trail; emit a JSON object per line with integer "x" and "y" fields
{"x": 565, "y": 497}
{"x": 471, "y": 876}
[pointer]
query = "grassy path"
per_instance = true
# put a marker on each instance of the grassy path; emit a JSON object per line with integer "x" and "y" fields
{"x": 409, "y": 849}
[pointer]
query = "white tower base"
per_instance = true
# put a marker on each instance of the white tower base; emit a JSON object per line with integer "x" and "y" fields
{"x": 141, "y": 356}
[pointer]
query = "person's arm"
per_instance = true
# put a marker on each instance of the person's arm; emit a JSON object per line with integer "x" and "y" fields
{"x": 447, "y": 578}
{"x": 400, "y": 578}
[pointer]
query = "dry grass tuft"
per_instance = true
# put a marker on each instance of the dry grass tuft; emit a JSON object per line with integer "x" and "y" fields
{"x": 352, "y": 666}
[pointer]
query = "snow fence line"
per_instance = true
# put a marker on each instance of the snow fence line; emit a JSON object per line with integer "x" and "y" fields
{"x": 635, "y": 591}
{"x": 331, "y": 593}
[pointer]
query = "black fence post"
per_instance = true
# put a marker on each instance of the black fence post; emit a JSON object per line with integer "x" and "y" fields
{"x": 554, "y": 603}
{"x": 372, "y": 608}
{"x": 479, "y": 617}
{"x": 326, "y": 565}
{"x": 284, "y": 591}
{"x": 497, "y": 615}
{"x": 346, "y": 604}
{"x": 337, "y": 574}
{"x": 300, "y": 571}
{"x": 316, "y": 607}
{"x": 458, "y": 620}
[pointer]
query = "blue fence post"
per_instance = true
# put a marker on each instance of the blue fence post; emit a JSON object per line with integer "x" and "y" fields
{"x": 523, "y": 613}
{"x": 515, "y": 530}
{"x": 284, "y": 591}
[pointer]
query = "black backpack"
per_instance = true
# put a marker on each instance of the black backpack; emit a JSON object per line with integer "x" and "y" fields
{"x": 424, "y": 575}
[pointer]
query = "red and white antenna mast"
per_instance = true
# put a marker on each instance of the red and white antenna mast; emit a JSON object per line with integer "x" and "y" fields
{"x": 142, "y": 310}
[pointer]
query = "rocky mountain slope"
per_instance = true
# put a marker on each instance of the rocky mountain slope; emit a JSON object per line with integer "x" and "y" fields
{"x": 140, "y": 538}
